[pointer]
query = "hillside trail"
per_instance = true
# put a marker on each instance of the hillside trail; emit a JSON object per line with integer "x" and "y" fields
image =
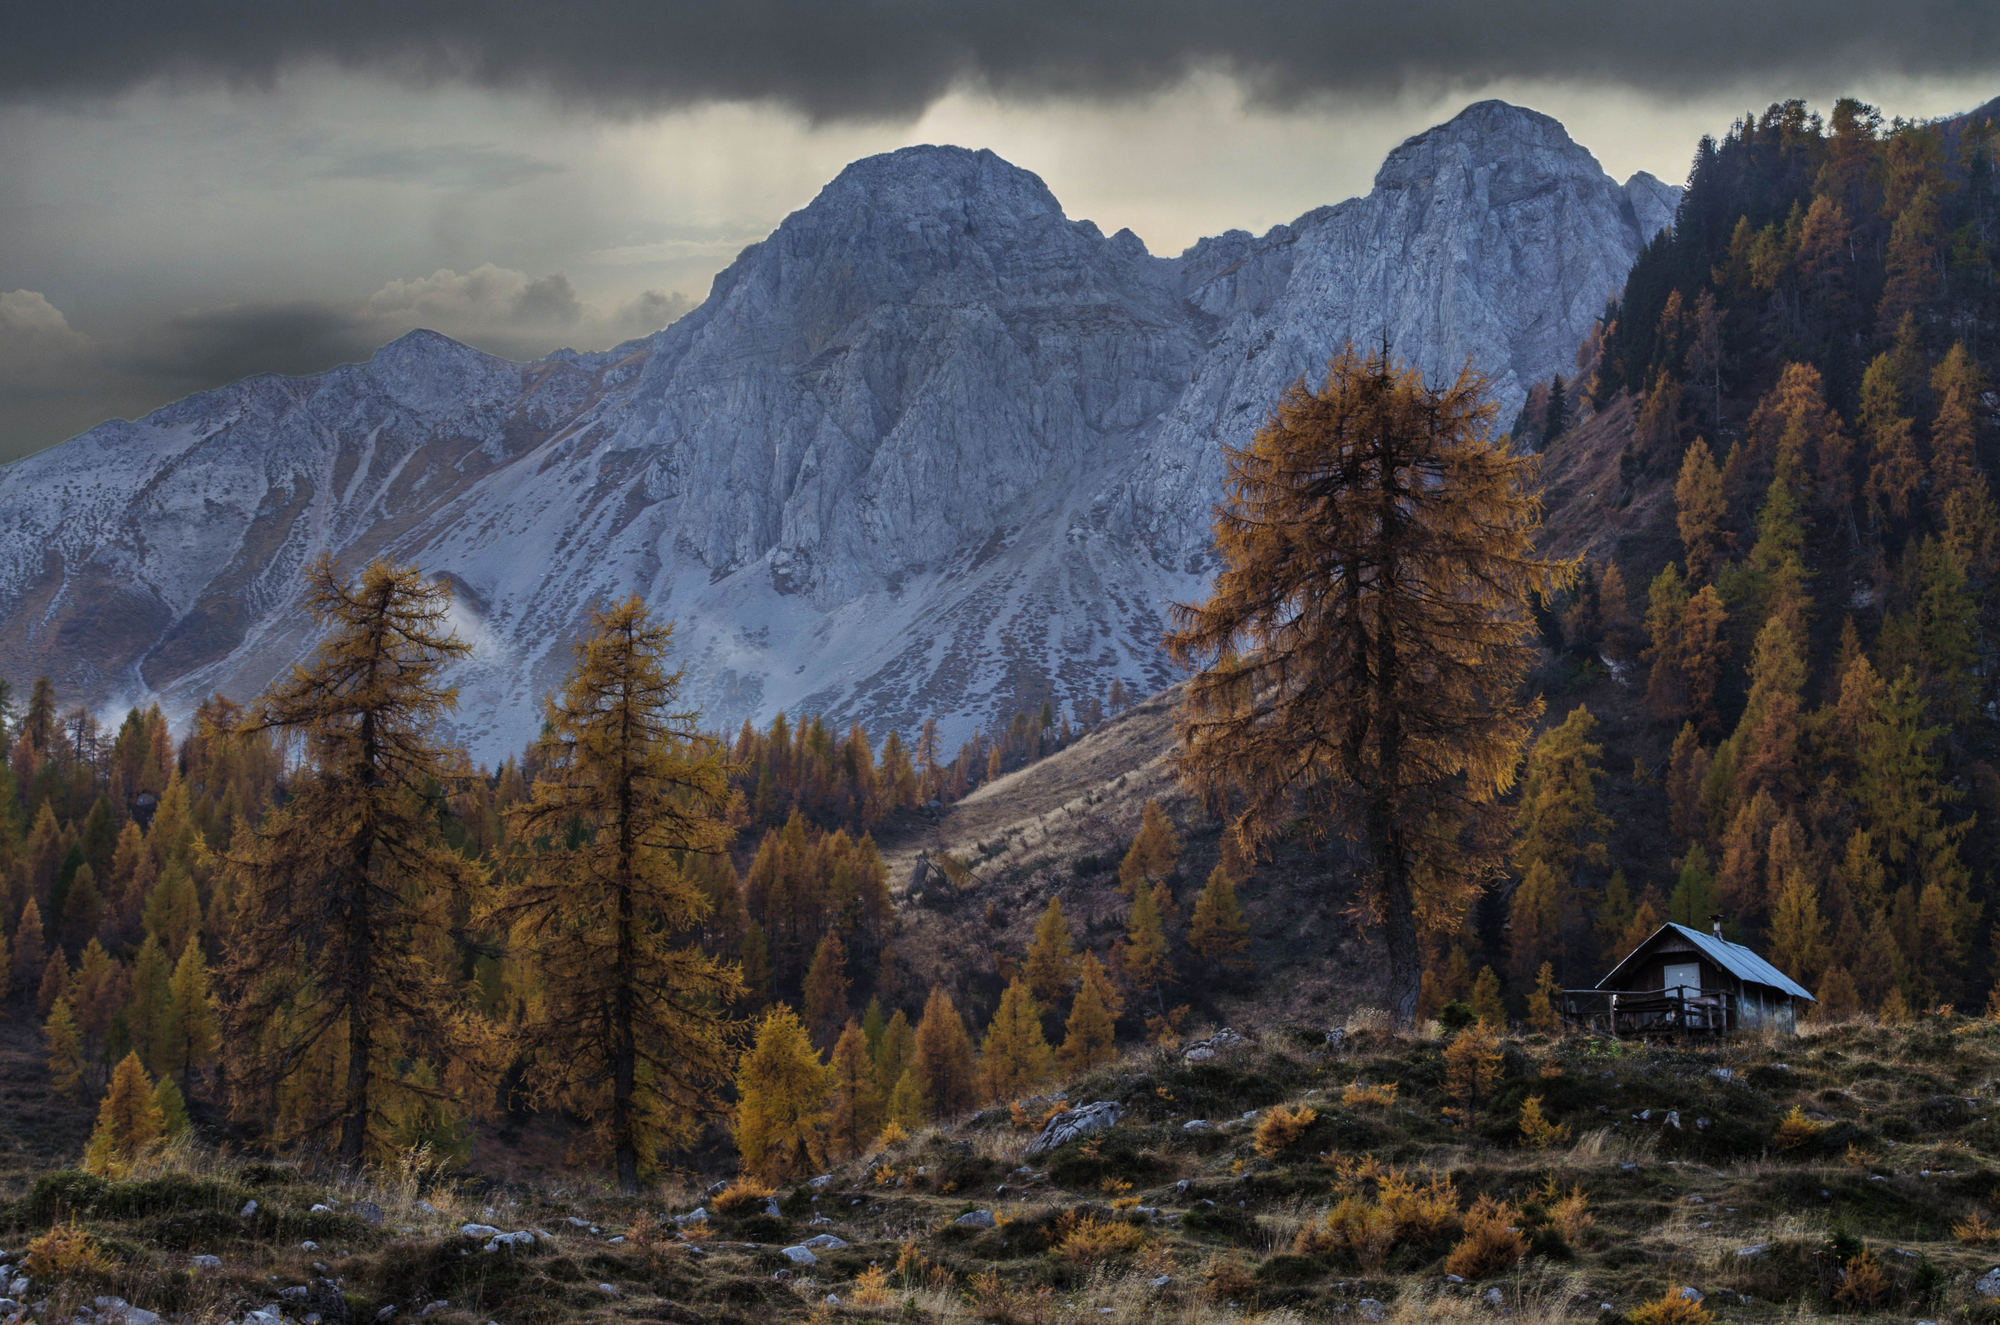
{"x": 1075, "y": 800}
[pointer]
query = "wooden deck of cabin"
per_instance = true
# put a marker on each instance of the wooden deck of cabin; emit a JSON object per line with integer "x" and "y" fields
{"x": 1650, "y": 1012}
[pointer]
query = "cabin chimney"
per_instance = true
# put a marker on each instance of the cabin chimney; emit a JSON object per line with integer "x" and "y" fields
{"x": 1715, "y": 922}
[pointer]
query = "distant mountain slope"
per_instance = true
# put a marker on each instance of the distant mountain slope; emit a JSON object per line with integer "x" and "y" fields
{"x": 931, "y": 448}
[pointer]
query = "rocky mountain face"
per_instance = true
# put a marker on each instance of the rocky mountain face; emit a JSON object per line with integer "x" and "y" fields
{"x": 931, "y": 449}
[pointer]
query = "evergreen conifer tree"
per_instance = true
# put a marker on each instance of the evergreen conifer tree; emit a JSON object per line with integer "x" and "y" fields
{"x": 1014, "y": 1058}
{"x": 1695, "y": 897}
{"x": 629, "y": 1028}
{"x": 172, "y": 1105}
{"x": 784, "y": 1093}
{"x": 55, "y": 982}
{"x": 908, "y": 1108}
{"x": 1364, "y": 668}
{"x": 943, "y": 1061}
{"x": 1217, "y": 932}
{"x": 894, "y": 1052}
{"x": 345, "y": 891}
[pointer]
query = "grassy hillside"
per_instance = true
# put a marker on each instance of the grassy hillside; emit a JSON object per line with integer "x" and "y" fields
{"x": 1779, "y": 1179}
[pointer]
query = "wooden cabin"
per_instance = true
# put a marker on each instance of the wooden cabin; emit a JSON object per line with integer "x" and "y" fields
{"x": 1680, "y": 981}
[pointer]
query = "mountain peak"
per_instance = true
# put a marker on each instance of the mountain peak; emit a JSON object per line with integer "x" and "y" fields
{"x": 932, "y": 178}
{"x": 1486, "y": 132}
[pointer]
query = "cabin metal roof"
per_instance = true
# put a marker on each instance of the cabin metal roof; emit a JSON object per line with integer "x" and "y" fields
{"x": 1734, "y": 958}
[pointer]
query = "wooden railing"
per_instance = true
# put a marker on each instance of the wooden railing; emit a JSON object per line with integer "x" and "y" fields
{"x": 1678, "y": 1011}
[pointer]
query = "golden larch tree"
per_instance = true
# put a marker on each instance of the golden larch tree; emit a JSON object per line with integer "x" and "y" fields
{"x": 1363, "y": 650}
{"x": 628, "y": 1026}
{"x": 1089, "y": 1034}
{"x": 826, "y": 991}
{"x": 1700, "y": 511}
{"x": 1014, "y": 1058}
{"x": 1217, "y": 932}
{"x": 190, "y": 1035}
{"x": 784, "y": 1096}
{"x": 130, "y": 1122}
{"x": 1051, "y": 966}
{"x": 345, "y": 892}
{"x": 943, "y": 1060}
{"x": 856, "y": 1114}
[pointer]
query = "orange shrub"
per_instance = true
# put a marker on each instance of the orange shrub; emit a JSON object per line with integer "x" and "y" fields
{"x": 1282, "y": 1126}
{"x": 1492, "y": 1243}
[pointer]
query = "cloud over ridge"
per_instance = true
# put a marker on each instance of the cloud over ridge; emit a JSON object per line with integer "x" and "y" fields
{"x": 892, "y": 58}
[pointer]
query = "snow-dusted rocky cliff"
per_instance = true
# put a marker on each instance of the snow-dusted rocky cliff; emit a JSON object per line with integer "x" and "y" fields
{"x": 930, "y": 449}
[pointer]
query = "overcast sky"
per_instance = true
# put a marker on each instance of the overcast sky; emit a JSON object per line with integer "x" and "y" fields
{"x": 285, "y": 187}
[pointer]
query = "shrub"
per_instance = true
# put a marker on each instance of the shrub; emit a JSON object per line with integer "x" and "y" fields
{"x": 1569, "y": 1212}
{"x": 1282, "y": 1126}
{"x": 743, "y": 1194}
{"x": 1671, "y": 1309}
{"x": 1536, "y": 1130}
{"x": 1797, "y": 1130}
{"x": 1472, "y": 1067}
{"x": 1862, "y": 1283}
{"x": 1973, "y": 1230}
{"x": 871, "y": 1286}
{"x": 66, "y": 1252}
{"x": 1357, "y": 1095}
{"x": 1226, "y": 1280}
{"x": 1492, "y": 1243}
{"x": 1089, "y": 1240}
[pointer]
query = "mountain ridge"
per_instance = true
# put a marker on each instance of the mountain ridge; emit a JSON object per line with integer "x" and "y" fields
{"x": 930, "y": 448}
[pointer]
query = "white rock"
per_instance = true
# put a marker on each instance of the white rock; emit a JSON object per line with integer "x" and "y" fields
{"x": 698, "y": 1215}
{"x": 117, "y": 1311}
{"x": 322, "y": 1210}
{"x": 205, "y": 1262}
{"x": 478, "y": 1231}
{"x": 1198, "y": 1125}
{"x": 825, "y": 1242}
{"x": 1073, "y": 1125}
{"x": 1370, "y": 1309}
{"x": 609, "y": 1290}
{"x": 928, "y": 397}
{"x": 976, "y": 1219}
{"x": 1692, "y": 1294}
{"x": 249, "y": 1209}
{"x": 1988, "y": 1284}
{"x": 798, "y": 1255}
{"x": 308, "y": 1246}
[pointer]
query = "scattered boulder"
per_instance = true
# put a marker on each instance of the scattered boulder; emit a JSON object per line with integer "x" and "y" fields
{"x": 370, "y": 1213}
{"x": 478, "y": 1231}
{"x": 976, "y": 1219}
{"x": 1756, "y": 1249}
{"x": 825, "y": 1242}
{"x": 1197, "y": 1125}
{"x": 798, "y": 1255}
{"x": 1073, "y": 1125}
{"x": 1988, "y": 1284}
{"x": 117, "y": 1311}
{"x": 698, "y": 1215}
{"x": 249, "y": 1209}
{"x": 1371, "y": 1309}
{"x": 1201, "y": 1051}
{"x": 521, "y": 1241}
{"x": 205, "y": 1262}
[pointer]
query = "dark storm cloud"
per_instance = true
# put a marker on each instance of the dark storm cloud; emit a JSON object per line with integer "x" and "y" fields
{"x": 893, "y": 57}
{"x": 223, "y": 344}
